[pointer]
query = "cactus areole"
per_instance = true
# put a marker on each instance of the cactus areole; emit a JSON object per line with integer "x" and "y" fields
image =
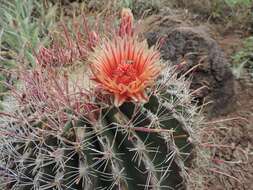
{"x": 129, "y": 130}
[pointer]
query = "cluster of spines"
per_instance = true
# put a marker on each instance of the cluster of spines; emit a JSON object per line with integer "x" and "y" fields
{"x": 41, "y": 158}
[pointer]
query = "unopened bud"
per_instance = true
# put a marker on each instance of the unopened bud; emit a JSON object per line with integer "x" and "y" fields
{"x": 126, "y": 24}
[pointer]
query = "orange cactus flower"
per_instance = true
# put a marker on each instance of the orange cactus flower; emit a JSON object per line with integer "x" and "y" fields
{"x": 125, "y": 67}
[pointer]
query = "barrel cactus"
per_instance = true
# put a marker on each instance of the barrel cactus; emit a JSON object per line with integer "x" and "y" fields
{"x": 108, "y": 114}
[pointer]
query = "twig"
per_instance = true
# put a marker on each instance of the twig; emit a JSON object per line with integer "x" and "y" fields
{"x": 225, "y": 120}
{"x": 222, "y": 173}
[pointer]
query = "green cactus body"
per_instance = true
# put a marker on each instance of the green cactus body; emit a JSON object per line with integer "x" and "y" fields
{"x": 127, "y": 147}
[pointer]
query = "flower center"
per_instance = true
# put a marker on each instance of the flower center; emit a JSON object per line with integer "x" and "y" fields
{"x": 125, "y": 73}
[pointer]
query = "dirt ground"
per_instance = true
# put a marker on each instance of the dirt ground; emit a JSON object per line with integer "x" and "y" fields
{"x": 232, "y": 153}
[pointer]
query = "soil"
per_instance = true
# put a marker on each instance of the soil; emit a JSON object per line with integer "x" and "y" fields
{"x": 232, "y": 153}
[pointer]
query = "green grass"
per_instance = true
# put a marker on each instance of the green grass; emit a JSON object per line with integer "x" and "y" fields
{"x": 238, "y": 2}
{"x": 236, "y": 11}
{"x": 243, "y": 59}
